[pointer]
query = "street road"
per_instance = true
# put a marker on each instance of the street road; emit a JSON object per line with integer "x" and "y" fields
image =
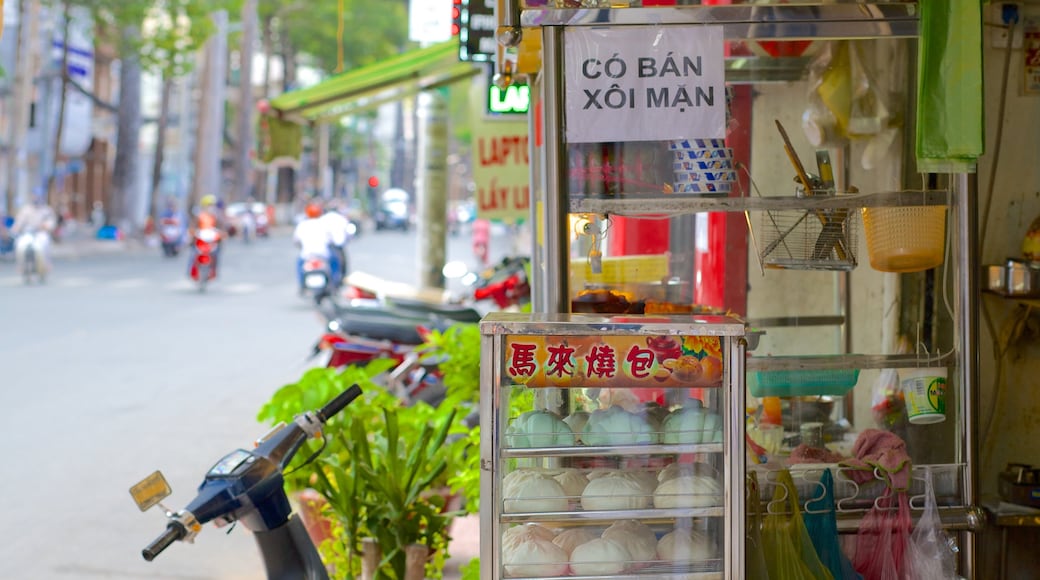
{"x": 118, "y": 366}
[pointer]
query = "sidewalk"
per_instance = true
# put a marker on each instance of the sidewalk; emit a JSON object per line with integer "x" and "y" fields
{"x": 465, "y": 545}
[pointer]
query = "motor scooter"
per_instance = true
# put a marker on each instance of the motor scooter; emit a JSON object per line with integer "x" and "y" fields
{"x": 30, "y": 258}
{"x": 248, "y": 486}
{"x": 171, "y": 235}
{"x": 203, "y": 269}
{"x": 317, "y": 277}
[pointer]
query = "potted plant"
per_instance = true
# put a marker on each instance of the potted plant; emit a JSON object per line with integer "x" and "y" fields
{"x": 382, "y": 477}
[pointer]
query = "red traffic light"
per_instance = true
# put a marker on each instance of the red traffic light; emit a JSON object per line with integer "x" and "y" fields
{"x": 373, "y": 181}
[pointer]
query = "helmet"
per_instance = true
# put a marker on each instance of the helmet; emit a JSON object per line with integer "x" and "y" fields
{"x": 207, "y": 221}
{"x": 313, "y": 210}
{"x": 208, "y": 200}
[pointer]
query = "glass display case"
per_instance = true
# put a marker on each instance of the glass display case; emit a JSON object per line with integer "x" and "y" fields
{"x": 797, "y": 203}
{"x": 607, "y": 446}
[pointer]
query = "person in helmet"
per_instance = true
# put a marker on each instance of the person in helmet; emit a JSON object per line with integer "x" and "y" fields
{"x": 340, "y": 229}
{"x": 312, "y": 238}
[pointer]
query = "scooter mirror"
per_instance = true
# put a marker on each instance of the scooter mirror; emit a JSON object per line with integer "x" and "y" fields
{"x": 455, "y": 269}
{"x": 470, "y": 279}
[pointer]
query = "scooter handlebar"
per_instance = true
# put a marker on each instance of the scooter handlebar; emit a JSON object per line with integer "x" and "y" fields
{"x": 336, "y": 405}
{"x": 175, "y": 531}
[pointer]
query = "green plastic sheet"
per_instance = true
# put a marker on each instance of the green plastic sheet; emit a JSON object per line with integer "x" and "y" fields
{"x": 950, "y": 134}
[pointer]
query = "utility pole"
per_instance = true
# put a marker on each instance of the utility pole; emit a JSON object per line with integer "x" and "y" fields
{"x": 243, "y": 165}
{"x": 28, "y": 61}
{"x": 209, "y": 145}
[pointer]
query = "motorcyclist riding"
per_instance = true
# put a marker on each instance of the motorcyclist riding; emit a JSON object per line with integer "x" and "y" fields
{"x": 312, "y": 237}
{"x": 33, "y": 226}
{"x": 207, "y": 224}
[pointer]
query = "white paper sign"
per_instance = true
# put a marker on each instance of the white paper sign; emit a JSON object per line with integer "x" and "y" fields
{"x": 644, "y": 83}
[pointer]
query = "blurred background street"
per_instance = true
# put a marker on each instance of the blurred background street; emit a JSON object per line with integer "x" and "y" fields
{"x": 118, "y": 366}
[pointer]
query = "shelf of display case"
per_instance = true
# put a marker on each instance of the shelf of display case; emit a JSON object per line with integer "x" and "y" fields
{"x": 681, "y": 203}
{"x": 849, "y": 361}
{"x": 707, "y": 571}
{"x": 746, "y": 21}
{"x": 664, "y": 515}
{"x": 601, "y": 450}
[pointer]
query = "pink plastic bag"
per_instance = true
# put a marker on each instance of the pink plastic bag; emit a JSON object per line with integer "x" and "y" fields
{"x": 883, "y": 540}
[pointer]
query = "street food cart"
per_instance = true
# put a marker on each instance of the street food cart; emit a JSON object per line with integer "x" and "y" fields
{"x": 675, "y": 200}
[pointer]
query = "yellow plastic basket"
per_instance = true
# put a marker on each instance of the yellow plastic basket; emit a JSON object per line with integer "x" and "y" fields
{"x": 905, "y": 239}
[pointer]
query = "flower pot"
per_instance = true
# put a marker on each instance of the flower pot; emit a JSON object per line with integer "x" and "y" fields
{"x": 415, "y": 561}
{"x": 371, "y": 554}
{"x": 311, "y": 507}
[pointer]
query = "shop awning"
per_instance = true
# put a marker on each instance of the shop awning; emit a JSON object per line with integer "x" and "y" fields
{"x": 373, "y": 85}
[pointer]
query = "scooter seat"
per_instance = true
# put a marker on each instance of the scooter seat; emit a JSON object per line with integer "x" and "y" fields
{"x": 382, "y": 323}
{"x": 456, "y": 312}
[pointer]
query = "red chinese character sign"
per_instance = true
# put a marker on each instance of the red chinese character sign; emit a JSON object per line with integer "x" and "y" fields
{"x": 614, "y": 361}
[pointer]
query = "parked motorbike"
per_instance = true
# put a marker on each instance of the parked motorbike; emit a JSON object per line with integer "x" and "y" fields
{"x": 171, "y": 235}
{"x": 203, "y": 268}
{"x": 248, "y": 486}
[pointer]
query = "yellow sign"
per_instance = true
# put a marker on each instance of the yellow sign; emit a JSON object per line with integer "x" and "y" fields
{"x": 614, "y": 361}
{"x": 501, "y": 170}
{"x": 150, "y": 491}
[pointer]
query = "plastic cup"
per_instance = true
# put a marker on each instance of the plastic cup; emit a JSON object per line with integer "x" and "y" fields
{"x": 925, "y": 393}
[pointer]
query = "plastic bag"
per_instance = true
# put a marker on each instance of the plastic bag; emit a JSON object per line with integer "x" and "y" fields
{"x": 950, "y": 128}
{"x": 883, "y": 539}
{"x": 932, "y": 553}
{"x": 754, "y": 557}
{"x": 822, "y": 524}
{"x": 789, "y": 551}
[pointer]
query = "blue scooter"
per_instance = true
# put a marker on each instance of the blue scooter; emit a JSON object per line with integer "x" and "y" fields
{"x": 248, "y": 486}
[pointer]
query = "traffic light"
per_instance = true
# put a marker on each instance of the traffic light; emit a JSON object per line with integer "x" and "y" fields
{"x": 456, "y": 17}
{"x": 373, "y": 182}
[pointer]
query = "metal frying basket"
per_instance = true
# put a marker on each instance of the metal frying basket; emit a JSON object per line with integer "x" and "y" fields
{"x": 817, "y": 239}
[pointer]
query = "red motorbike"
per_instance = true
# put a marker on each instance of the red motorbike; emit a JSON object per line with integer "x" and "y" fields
{"x": 203, "y": 269}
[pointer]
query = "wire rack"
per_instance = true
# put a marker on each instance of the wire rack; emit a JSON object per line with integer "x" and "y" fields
{"x": 816, "y": 239}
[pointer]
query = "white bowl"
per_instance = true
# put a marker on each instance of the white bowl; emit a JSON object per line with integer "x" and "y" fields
{"x": 708, "y": 187}
{"x": 702, "y": 164}
{"x": 707, "y": 153}
{"x": 697, "y": 143}
{"x": 701, "y": 176}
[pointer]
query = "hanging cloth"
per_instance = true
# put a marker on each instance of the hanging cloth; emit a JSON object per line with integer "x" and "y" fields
{"x": 950, "y": 134}
{"x": 821, "y": 520}
{"x": 789, "y": 551}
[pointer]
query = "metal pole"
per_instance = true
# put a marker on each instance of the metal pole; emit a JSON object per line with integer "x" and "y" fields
{"x": 432, "y": 194}
{"x": 965, "y": 188}
{"x": 557, "y": 297}
{"x": 537, "y": 178}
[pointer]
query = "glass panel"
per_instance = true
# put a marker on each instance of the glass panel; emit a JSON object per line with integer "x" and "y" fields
{"x": 620, "y": 473}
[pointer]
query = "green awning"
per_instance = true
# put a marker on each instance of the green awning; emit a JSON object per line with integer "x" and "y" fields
{"x": 382, "y": 82}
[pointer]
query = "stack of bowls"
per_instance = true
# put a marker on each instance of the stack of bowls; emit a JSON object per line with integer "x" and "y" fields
{"x": 702, "y": 167}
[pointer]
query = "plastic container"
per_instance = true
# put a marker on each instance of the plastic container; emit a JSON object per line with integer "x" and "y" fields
{"x": 905, "y": 239}
{"x": 925, "y": 393}
{"x": 802, "y": 382}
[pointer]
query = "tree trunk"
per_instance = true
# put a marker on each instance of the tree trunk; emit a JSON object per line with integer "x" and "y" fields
{"x": 287, "y": 175}
{"x": 267, "y": 44}
{"x": 51, "y": 178}
{"x": 160, "y": 145}
{"x": 243, "y": 164}
{"x": 25, "y": 71}
{"x": 124, "y": 172}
